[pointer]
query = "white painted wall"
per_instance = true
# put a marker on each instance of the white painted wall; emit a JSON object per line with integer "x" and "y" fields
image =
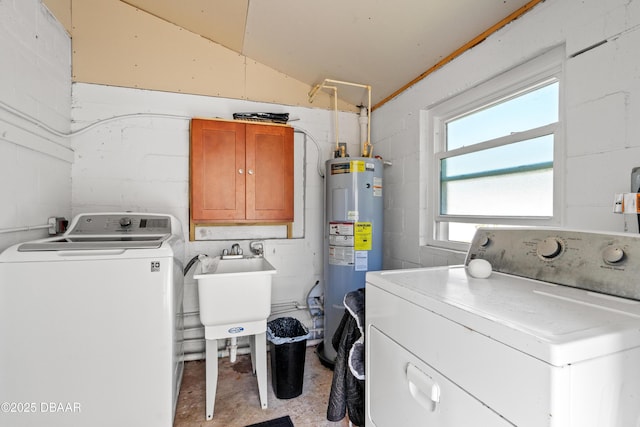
{"x": 141, "y": 163}
{"x": 602, "y": 108}
{"x": 35, "y": 101}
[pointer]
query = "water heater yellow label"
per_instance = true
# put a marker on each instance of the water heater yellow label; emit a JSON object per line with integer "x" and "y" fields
{"x": 363, "y": 236}
{"x": 357, "y": 166}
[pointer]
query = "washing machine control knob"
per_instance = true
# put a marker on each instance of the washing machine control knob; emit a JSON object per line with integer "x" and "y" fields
{"x": 484, "y": 241}
{"x": 125, "y": 222}
{"x": 612, "y": 254}
{"x": 549, "y": 248}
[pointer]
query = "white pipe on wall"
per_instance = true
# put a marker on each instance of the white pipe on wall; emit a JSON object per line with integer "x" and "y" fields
{"x": 221, "y": 353}
{"x": 26, "y": 228}
{"x": 241, "y": 351}
{"x": 364, "y": 125}
{"x": 335, "y": 112}
{"x": 366, "y": 145}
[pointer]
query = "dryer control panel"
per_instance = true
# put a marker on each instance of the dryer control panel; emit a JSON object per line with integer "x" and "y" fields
{"x": 608, "y": 263}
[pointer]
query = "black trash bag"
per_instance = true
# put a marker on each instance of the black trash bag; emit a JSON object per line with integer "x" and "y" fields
{"x": 285, "y": 330}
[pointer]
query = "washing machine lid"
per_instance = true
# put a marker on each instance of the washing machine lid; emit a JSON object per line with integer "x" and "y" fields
{"x": 99, "y": 231}
{"x": 557, "y": 324}
{"x": 94, "y": 243}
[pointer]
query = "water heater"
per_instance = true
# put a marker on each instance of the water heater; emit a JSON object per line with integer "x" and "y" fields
{"x": 352, "y": 235}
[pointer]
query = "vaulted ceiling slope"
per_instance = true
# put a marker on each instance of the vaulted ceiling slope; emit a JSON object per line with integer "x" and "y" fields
{"x": 385, "y": 44}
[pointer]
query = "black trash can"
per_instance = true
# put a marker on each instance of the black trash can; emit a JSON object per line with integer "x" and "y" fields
{"x": 287, "y": 347}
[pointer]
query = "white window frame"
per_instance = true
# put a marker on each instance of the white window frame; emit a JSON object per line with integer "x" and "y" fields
{"x": 546, "y": 67}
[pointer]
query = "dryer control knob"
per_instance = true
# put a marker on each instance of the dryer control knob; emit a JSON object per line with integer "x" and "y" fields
{"x": 125, "y": 221}
{"x": 549, "y": 248}
{"x": 484, "y": 241}
{"x": 612, "y": 254}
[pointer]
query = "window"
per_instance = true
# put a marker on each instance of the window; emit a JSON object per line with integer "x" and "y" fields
{"x": 495, "y": 154}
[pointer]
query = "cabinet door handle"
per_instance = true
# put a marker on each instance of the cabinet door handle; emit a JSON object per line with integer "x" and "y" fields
{"x": 250, "y": 171}
{"x": 240, "y": 171}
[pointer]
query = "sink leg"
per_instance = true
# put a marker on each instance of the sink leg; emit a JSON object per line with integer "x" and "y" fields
{"x": 260, "y": 351}
{"x": 252, "y": 347}
{"x": 211, "y": 366}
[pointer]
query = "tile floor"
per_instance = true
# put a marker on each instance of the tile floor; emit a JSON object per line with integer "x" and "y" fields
{"x": 237, "y": 403}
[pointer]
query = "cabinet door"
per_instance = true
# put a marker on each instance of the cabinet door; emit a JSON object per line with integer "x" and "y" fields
{"x": 217, "y": 170}
{"x": 269, "y": 155}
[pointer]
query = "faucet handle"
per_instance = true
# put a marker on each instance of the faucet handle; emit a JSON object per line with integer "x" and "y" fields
{"x": 225, "y": 252}
{"x": 257, "y": 248}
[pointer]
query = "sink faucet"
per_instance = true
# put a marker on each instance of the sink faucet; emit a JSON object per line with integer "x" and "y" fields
{"x": 235, "y": 249}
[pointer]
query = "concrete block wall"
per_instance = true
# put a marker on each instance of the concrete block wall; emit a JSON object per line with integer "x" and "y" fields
{"x": 601, "y": 109}
{"x": 132, "y": 153}
{"x": 35, "y": 105}
{"x": 141, "y": 163}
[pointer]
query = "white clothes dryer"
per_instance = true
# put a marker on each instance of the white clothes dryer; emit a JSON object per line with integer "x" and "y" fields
{"x": 550, "y": 338}
{"x": 91, "y": 324}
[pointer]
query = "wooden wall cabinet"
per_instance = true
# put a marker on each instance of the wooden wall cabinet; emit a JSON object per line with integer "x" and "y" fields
{"x": 240, "y": 172}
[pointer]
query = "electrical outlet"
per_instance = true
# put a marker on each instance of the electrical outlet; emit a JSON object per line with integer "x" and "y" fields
{"x": 57, "y": 225}
{"x": 52, "y": 225}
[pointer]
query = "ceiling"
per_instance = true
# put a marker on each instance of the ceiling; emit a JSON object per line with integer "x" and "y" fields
{"x": 385, "y": 44}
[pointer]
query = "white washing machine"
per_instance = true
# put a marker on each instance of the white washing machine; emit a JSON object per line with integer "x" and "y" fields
{"x": 550, "y": 338}
{"x": 91, "y": 324}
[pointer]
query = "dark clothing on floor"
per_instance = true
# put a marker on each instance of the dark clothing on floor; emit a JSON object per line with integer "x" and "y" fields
{"x": 347, "y": 390}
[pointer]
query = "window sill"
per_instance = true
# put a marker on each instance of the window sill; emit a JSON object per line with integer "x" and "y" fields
{"x": 434, "y": 256}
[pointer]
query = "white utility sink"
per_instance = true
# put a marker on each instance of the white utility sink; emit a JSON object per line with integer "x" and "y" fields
{"x": 232, "y": 294}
